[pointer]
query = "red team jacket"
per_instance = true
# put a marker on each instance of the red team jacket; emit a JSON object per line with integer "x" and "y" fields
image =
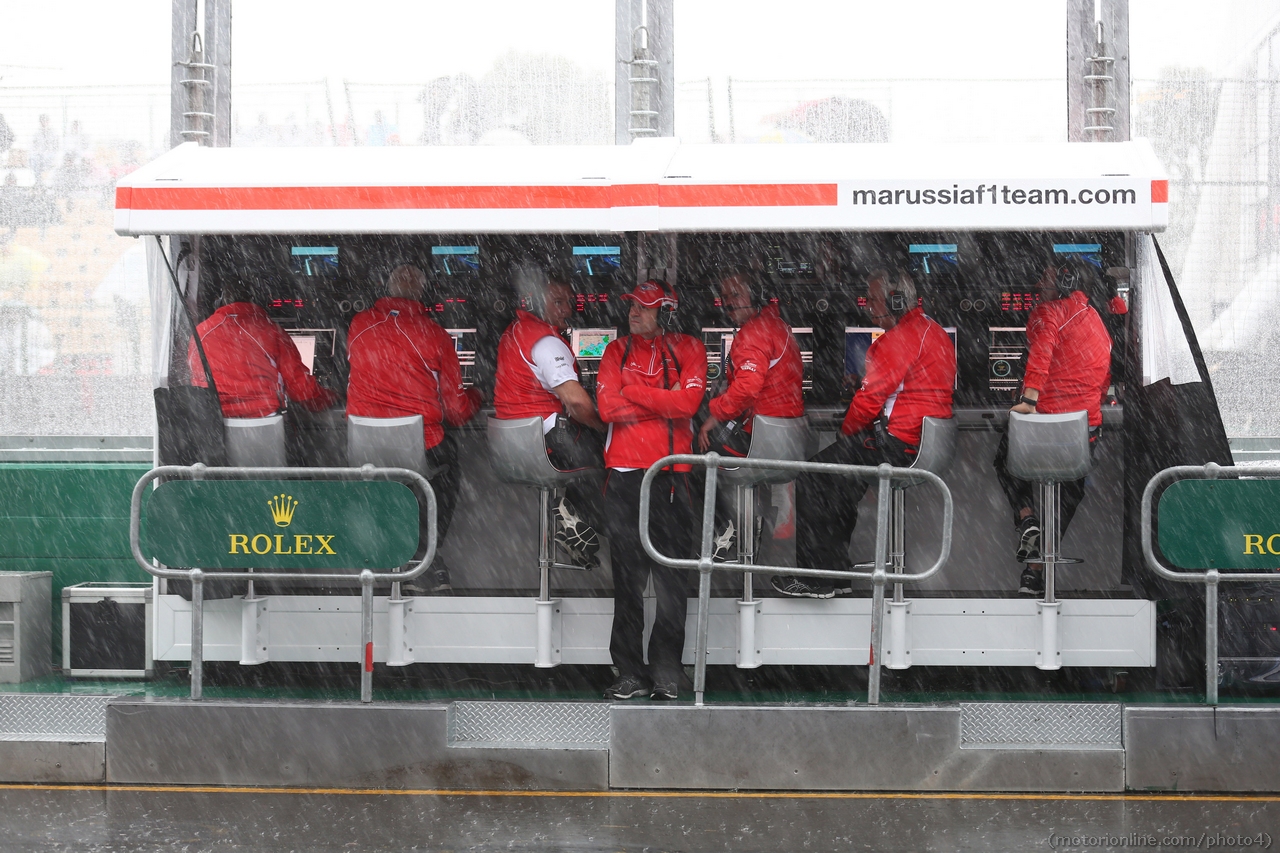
{"x": 910, "y": 375}
{"x": 765, "y": 372}
{"x": 402, "y": 364}
{"x": 517, "y": 393}
{"x": 1068, "y": 357}
{"x": 649, "y": 417}
{"x": 255, "y": 365}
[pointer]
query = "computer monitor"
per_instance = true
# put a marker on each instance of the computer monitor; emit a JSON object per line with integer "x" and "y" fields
{"x": 1089, "y": 252}
{"x": 933, "y": 259}
{"x": 313, "y": 342}
{"x": 314, "y": 260}
{"x": 455, "y": 260}
{"x": 589, "y": 344}
{"x": 306, "y": 345}
{"x": 858, "y": 339}
{"x": 464, "y": 343}
{"x": 597, "y": 260}
{"x": 718, "y": 341}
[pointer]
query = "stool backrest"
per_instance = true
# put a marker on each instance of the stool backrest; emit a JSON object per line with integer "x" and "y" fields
{"x": 255, "y": 442}
{"x": 937, "y": 448}
{"x": 387, "y": 443}
{"x": 518, "y": 453}
{"x": 1049, "y": 448}
{"x": 771, "y": 438}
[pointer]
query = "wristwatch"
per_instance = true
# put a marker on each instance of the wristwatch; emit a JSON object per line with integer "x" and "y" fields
{"x": 1028, "y": 401}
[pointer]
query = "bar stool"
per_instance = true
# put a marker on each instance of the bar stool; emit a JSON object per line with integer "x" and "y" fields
{"x": 518, "y": 454}
{"x": 391, "y": 443}
{"x": 255, "y": 442}
{"x": 1049, "y": 450}
{"x": 771, "y": 438}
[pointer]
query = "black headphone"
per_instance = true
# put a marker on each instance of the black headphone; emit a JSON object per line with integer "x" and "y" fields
{"x": 1067, "y": 281}
{"x": 667, "y": 310}
{"x": 896, "y": 302}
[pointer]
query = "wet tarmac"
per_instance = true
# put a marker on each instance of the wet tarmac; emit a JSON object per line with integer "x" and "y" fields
{"x": 107, "y": 818}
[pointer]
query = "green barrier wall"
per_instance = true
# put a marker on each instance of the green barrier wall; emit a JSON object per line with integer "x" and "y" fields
{"x": 71, "y": 519}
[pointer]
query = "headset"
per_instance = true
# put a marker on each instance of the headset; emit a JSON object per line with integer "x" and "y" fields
{"x": 668, "y": 307}
{"x": 897, "y": 300}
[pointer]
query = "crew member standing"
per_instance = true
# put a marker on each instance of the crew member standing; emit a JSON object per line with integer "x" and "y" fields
{"x": 255, "y": 365}
{"x": 402, "y": 364}
{"x": 910, "y": 374}
{"x": 538, "y": 377}
{"x": 765, "y": 377}
{"x": 1068, "y": 370}
{"x": 649, "y": 387}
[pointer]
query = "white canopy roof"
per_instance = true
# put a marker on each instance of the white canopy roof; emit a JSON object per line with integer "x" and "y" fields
{"x": 651, "y": 185}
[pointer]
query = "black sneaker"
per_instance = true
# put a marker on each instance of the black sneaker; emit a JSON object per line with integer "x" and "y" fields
{"x": 723, "y": 544}
{"x": 1028, "y": 540}
{"x": 626, "y": 687}
{"x": 797, "y": 588}
{"x": 1032, "y": 582}
{"x": 577, "y": 538}
{"x": 665, "y": 691}
{"x": 437, "y": 578}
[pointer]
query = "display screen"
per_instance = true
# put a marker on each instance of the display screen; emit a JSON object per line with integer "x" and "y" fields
{"x": 279, "y": 302}
{"x": 582, "y": 300}
{"x": 597, "y": 260}
{"x": 315, "y": 260}
{"x": 783, "y": 262}
{"x": 934, "y": 258}
{"x": 718, "y": 343}
{"x": 306, "y": 345}
{"x": 590, "y": 343}
{"x": 455, "y": 260}
{"x": 1091, "y": 252}
{"x": 464, "y": 343}
{"x": 1018, "y": 300}
{"x": 858, "y": 339}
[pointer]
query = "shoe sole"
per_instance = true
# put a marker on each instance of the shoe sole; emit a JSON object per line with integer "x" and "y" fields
{"x": 1022, "y": 590}
{"x": 822, "y": 595}
{"x": 621, "y": 696}
{"x": 663, "y": 697}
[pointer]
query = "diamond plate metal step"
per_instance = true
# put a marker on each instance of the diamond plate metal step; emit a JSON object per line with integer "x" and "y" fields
{"x": 1041, "y": 725}
{"x": 58, "y": 717}
{"x": 529, "y": 725}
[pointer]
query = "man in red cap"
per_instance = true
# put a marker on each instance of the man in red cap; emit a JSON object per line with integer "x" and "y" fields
{"x": 910, "y": 374}
{"x": 1068, "y": 370}
{"x": 402, "y": 364}
{"x": 538, "y": 377}
{"x": 255, "y": 365}
{"x": 650, "y": 384}
{"x": 765, "y": 377}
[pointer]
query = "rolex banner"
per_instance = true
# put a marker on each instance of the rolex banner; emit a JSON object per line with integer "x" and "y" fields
{"x": 1221, "y": 524}
{"x": 281, "y": 524}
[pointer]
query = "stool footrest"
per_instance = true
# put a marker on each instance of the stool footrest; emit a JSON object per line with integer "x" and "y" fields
{"x": 571, "y": 567}
{"x": 1057, "y": 561}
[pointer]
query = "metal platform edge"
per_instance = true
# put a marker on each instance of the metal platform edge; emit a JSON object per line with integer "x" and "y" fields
{"x": 1046, "y": 747}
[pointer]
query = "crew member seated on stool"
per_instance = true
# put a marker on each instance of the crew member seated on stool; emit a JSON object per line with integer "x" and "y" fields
{"x": 538, "y": 375}
{"x": 1068, "y": 370}
{"x": 765, "y": 375}
{"x": 649, "y": 386}
{"x": 403, "y": 364}
{"x": 255, "y": 365}
{"x": 910, "y": 374}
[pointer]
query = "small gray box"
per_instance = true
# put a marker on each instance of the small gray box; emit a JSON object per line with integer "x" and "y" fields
{"x": 26, "y": 634}
{"x": 106, "y": 630}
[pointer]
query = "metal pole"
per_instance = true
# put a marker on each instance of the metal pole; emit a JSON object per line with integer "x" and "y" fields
{"x": 747, "y": 536}
{"x": 184, "y": 24}
{"x": 662, "y": 47}
{"x": 1049, "y": 509}
{"x": 628, "y": 14}
{"x": 1097, "y": 70}
{"x": 366, "y": 636}
{"x": 197, "y": 634}
{"x": 899, "y": 530}
{"x": 217, "y": 52}
{"x": 544, "y": 544}
{"x": 704, "y": 581}
{"x": 1211, "y": 578}
{"x": 878, "y": 576}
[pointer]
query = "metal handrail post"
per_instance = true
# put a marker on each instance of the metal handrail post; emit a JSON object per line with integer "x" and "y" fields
{"x": 366, "y": 636}
{"x": 1211, "y": 578}
{"x": 197, "y": 634}
{"x": 878, "y": 578}
{"x": 704, "y": 582}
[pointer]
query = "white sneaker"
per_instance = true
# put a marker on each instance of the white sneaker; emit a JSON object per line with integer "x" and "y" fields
{"x": 577, "y": 538}
{"x": 723, "y": 545}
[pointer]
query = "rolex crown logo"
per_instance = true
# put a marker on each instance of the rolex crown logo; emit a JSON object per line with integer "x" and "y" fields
{"x": 282, "y": 507}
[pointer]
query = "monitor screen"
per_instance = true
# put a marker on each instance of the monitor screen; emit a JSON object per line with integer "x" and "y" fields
{"x": 1090, "y": 252}
{"x": 455, "y": 260}
{"x": 597, "y": 260}
{"x": 785, "y": 262}
{"x": 930, "y": 259}
{"x": 718, "y": 343}
{"x": 306, "y": 345}
{"x": 589, "y": 344}
{"x": 858, "y": 339}
{"x": 314, "y": 260}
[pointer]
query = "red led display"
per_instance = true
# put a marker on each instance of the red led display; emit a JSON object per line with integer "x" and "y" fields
{"x": 582, "y": 299}
{"x": 286, "y": 303}
{"x": 1018, "y": 301}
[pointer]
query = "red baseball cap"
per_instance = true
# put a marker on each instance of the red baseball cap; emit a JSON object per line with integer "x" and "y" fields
{"x": 653, "y": 294}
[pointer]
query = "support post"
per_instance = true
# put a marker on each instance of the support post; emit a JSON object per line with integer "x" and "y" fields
{"x": 253, "y": 628}
{"x": 1098, "y": 71}
{"x": 366, "y": 636}
{"x": 1050, "y": 647}
{"x": 704, "y": 580}
{"x": 217, "y": 52}
{"x": 748, "y": 654}
{"x": 657, "y": 17}
{"x": 1211, "y": 637}
{"x": 184, "y": 25}
{"x": 879, "y": 576}
{"x": 197, "y": 634}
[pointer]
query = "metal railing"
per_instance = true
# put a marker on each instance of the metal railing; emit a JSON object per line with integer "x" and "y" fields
{"x": 1210, "y": 577}
{"x": 884, "y": 474}
{"x": 198, "y": 576}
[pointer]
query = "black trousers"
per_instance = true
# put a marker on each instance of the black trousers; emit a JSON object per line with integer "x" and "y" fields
{"x": 445, "y": 485}
{"x": 827, "y": 506}
{"x": 671, "y": 528}
{"x": 571, "y": 445}
{"x": 1021, "y": 493}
